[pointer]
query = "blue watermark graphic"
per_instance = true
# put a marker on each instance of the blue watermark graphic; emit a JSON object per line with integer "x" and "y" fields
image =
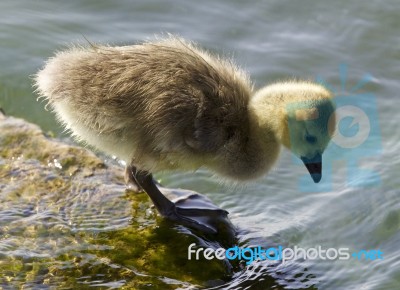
{"x": 279, "y": 253}
{"x": 356, "y": 137}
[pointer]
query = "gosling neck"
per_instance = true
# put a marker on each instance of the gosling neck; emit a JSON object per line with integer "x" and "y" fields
{"x": 268, "y": 118}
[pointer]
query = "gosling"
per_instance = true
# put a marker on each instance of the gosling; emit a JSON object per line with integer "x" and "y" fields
{"x": 168, "y": 104}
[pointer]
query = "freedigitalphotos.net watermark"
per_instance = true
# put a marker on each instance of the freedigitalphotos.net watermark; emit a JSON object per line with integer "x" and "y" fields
{"x": 279, "y": 253}
{"x": 356, "y": 137}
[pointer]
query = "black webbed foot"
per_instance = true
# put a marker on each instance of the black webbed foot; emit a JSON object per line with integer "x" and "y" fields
{"x": 191, "y": 209}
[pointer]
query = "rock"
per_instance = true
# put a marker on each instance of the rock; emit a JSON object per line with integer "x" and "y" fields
{"x": 67, "y": 220}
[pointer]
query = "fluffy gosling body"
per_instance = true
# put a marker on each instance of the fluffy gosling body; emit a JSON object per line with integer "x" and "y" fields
{"x": 168, "y": 104}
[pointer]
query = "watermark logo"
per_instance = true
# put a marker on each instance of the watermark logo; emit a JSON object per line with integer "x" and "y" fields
{"x": 356, "y": 136}
{"x": 279, "y": 253}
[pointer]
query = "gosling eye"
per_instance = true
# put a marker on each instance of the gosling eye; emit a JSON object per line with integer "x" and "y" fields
{"x": 311, "y": 139}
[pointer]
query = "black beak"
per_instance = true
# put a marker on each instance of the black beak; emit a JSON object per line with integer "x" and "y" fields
{"x": 314, "y": 166}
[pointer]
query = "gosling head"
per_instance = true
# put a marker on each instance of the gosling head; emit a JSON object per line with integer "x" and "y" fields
{"x": 304, "y": 115}
{"x": 309, "y": 132}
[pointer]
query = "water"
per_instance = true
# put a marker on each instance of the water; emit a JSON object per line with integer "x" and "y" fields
{"x": 273, "y": 40}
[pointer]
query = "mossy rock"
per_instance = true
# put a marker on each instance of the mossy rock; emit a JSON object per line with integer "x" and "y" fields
{"x": 68, "y": 221}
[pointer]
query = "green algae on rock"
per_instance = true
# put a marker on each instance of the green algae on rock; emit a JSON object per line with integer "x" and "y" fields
{"x": 67, "y": 220}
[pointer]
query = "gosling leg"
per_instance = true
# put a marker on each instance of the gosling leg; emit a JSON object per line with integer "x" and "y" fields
{"x": 191, "y": 217}
{"x": 130, "y": 179}
{"x": 145, "y": 180}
